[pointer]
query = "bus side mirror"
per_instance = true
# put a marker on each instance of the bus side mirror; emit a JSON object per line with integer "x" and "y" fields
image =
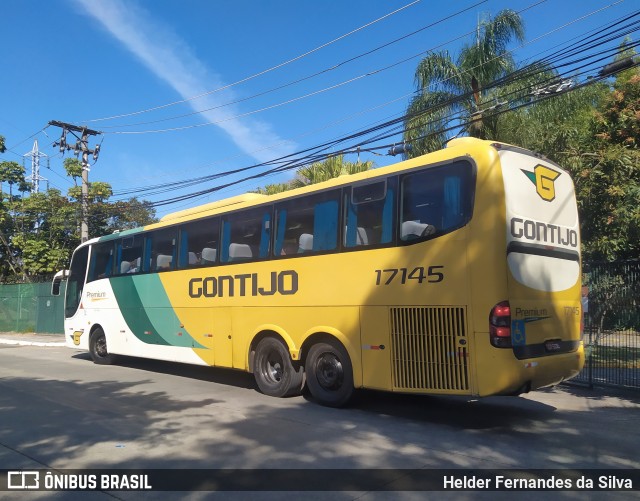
{"x": 57, "y": 279}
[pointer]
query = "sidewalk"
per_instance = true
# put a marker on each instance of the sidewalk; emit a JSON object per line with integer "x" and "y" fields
{"x": 31, "y": 339}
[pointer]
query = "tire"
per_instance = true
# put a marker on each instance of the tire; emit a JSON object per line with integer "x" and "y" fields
{"x": 329, "y": 374}
{"x": 274, "y": 371}
{"x": 98, "y": 348}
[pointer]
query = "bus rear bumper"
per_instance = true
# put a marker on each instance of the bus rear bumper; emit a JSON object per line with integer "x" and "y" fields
{"x": 520, "y": 376}
{"x": 550, "y": 370}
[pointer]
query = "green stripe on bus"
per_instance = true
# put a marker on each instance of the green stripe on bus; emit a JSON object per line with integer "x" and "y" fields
{"x": 151, "y": 320}
{"x": 159, "y": 309}
{"x": 133, "y": 312}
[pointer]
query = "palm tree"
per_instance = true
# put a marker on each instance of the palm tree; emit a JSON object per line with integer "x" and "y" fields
{"x": 447, "y": 88}
{"x": 327, "y": 169}
{"x": 272, "y": 189}
{"x": 317, "y": 172}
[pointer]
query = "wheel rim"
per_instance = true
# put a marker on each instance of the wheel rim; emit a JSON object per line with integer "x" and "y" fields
{"x": 273, "y": 367}
{"x": 101, "y": 347}
{"x": 329, "y": 372}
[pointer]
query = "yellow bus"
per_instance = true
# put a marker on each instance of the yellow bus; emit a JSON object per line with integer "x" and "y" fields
{"x": 457, "y": 272}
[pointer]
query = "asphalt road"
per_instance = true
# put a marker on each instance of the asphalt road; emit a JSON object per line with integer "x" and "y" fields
{"x": 60, "y": 411}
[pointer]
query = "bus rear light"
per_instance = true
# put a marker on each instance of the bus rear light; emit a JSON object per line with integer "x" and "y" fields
{"x": 500, "y": 325}
{"x": 501, "y": 331}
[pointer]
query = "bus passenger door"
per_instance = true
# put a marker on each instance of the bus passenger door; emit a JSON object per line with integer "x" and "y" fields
{"x": 74, "y": 311}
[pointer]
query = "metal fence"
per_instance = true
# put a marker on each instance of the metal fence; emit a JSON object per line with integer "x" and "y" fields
{"x": 611, "y": 300}
{"x": 31, "y": 308}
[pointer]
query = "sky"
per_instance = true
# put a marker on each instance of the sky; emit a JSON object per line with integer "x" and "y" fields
{"x": 190, "y": 88}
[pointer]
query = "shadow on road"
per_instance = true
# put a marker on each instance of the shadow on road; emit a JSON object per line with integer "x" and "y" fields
{"x": 236, "y": 378}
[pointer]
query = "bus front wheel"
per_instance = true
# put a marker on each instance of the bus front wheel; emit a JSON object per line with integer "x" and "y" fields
{"x": 98, "y": 348}
{"x": 329, "y": 374}
{"x": 274, "y": 371}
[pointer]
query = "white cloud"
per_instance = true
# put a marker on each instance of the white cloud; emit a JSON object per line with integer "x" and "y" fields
{"x": 166, "y": 55}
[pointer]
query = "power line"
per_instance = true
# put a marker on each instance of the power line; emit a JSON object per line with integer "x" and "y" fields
{"x": 289, "y": 101}
{"x": 305, "y": 96}
{"x": 313, "y": 75}
{"x": 296, "y": 163}
{"x": 185, "y": 183}
{"x": 263, "y": 72}
{"x": 181, "y": 184}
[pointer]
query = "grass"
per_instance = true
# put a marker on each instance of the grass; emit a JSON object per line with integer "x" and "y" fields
{"x": 619, "y": 357}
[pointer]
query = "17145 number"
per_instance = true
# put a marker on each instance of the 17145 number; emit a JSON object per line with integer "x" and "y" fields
{"x": 431, "y": 274}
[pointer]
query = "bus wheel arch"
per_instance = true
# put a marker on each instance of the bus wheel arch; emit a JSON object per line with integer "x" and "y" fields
{"x": 328, "y": 370}
{"x": 98, "y": 346}
{"x": 275, "y": 372}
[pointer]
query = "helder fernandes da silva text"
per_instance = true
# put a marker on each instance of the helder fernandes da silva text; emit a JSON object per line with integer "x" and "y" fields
{"x": 553, "y": 482}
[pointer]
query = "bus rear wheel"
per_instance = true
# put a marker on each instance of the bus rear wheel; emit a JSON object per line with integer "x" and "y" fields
{"x": 329, "y": 374}
{"x": 98, "y": 348}
{"x": 274, "y": 371}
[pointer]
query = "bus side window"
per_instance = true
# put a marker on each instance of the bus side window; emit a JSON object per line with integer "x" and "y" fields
{"x": 199, "y": 243}
{"x": 129, "y": 252}
{"x": 294, "y": 232}
{"x": 101, "y": 262}
{"x": 325, "y": 225}
{"x": 370, "y": 214}
{"x": 246, "y": 235}
{"x": 161, "y": 250}
{"x": 307, "y": 224}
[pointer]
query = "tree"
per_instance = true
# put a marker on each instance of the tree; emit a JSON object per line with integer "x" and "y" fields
{"x": 608, "y": 177}
{"x": 13, "y": 173}
{"x": 40, "y": 236}
{"x": 39, "y": 232}
{"x": 318, "y": 172}
{"x": 73, "y": 168}
{"x": 128, "y": 214}
{"x": 448, "y": 88}
{"x": 593, "y": 132}
{"x": 327, "y": 169}
{"x": 272, "y": 189}
{"x": 554, "y": 126}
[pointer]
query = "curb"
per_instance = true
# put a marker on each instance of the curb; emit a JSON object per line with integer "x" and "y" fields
{"x": 30, "y": 343}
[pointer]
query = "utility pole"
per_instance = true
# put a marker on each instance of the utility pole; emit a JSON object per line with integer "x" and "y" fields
{"x": 81, "y": 146}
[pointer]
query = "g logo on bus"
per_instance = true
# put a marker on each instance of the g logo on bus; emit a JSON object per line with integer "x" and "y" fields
{"x": 544, "y": 180}
{"x": 76, "y": 337}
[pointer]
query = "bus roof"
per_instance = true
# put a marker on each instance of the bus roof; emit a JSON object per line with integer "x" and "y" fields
{"x": 245, "y": 197}
{"x": 466, "y": 146}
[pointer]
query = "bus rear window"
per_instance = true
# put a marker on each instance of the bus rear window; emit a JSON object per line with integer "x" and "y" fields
{"x": 436, "y": 201}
